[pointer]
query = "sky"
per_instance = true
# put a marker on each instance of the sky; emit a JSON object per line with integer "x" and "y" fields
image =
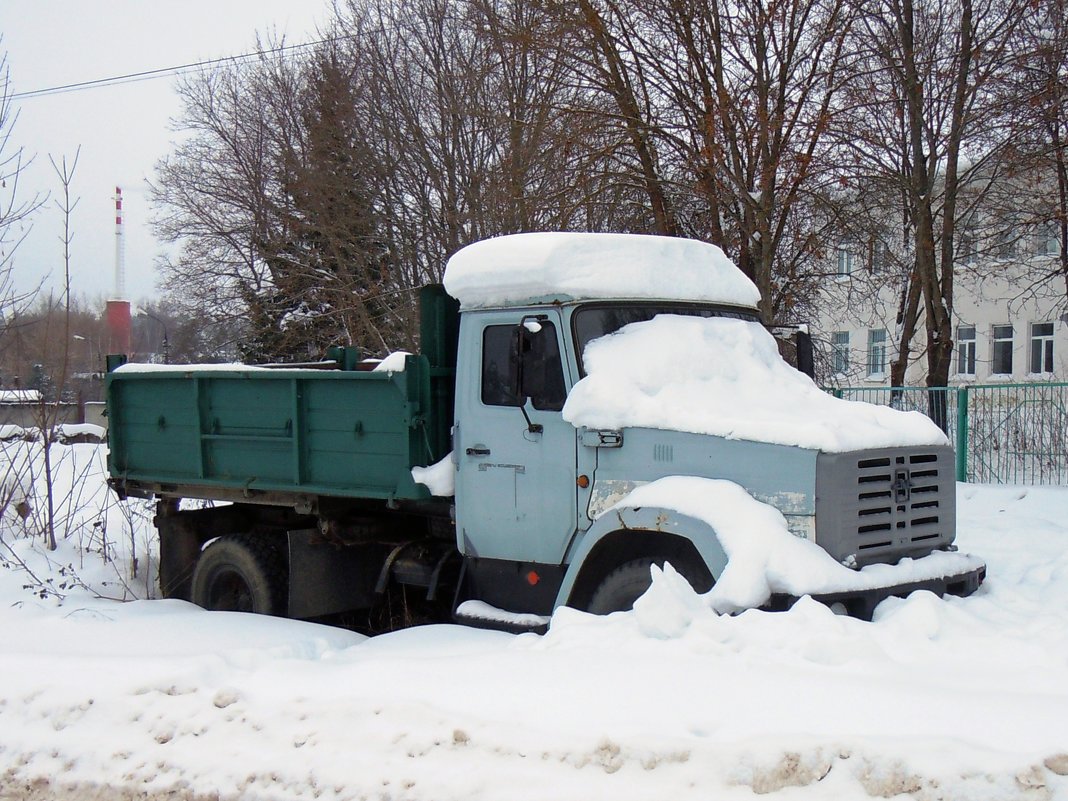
{"x": 122, "y": 130}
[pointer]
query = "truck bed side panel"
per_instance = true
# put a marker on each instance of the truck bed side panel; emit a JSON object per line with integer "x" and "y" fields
{"x": 336, "y": 433}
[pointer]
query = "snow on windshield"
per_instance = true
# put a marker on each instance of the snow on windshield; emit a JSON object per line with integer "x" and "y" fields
{"x": 512, "y": 270}
{"x": 725, "y": 377}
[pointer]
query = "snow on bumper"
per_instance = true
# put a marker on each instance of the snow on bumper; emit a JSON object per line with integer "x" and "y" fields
{"x": 861, "y": 602}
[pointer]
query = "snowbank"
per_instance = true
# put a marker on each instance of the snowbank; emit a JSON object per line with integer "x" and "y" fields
{"x": 517, "y": 269}
{"x": 955, "y": 699}
{"x": 81, "y": 432}
{"x": 10, "y": 431}
{"x": 650, "y": 374}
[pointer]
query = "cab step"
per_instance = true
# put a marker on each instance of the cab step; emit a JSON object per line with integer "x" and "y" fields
{"x": 480, "y": 615}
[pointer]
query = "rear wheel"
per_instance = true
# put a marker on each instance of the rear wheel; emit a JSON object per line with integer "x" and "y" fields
{"x": 242, "y": 573}
{"x": 619, "y": 589}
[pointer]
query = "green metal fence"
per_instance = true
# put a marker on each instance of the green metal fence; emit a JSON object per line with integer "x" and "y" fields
{"x": 1004, "y": 433}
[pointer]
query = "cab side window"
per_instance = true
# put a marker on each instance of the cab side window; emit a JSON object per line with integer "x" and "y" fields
{"x": 498, "y": 366}
{"x": 540, "y": 371}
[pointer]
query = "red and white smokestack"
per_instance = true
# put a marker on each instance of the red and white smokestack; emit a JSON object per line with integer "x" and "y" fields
{"x": 120, "y": 250}
{"x": 118, "y": 309}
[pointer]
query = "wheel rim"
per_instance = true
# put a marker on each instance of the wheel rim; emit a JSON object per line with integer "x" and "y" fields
{"x": 229, "y": 592}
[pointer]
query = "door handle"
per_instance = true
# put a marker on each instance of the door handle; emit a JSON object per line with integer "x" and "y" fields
{"x": 478, "y": 450}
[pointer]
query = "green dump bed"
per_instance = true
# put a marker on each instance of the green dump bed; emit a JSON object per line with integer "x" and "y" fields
{"x": 343, "y": 433}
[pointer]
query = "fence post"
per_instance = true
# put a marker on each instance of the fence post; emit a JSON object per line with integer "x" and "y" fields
{"x": 962, "y": 433}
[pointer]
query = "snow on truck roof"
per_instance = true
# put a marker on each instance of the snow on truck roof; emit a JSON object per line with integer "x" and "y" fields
{"x": 538, "y": 267}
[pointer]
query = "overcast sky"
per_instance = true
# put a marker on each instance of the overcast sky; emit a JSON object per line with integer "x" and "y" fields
{"x": 122, "y": 130}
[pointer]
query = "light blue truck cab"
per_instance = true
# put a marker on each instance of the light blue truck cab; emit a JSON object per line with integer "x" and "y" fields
{"x": 541, "y": 512}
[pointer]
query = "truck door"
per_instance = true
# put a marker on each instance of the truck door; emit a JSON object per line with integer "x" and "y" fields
{"x": 515, "y": 493}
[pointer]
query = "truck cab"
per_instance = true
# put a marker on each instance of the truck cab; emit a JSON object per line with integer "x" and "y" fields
{"x": 534, "y": 487}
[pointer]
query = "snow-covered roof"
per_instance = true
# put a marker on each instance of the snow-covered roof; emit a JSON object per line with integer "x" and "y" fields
{"x": 538, "y": 267}
{"x": 20, "y": 396}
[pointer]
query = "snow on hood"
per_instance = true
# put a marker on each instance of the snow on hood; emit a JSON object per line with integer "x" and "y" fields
{"x": 725, "y": 377}
{"x": 517, "y": 269}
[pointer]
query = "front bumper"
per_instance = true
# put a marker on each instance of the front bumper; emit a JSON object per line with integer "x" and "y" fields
{"x": 861, "y": 603}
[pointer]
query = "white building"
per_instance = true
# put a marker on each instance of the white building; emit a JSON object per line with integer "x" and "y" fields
{"x": 1005, "y": 329}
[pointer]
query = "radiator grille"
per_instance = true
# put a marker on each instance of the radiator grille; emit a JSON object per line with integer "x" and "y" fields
{"x": 875, "y": 507}
{"x": 897, "y": 495}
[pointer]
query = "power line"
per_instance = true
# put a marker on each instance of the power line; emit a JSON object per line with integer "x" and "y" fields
{"x": 145, "y": 75}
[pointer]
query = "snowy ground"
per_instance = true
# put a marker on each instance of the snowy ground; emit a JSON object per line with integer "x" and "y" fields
{"x": 955, "y": 699}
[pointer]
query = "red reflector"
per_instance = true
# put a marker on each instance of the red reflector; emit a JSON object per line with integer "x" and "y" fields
{"x": 533, "y": 578}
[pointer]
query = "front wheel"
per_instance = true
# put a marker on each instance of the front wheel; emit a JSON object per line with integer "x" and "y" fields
{"x": 618, "y": 590}
{"x": 242, "y": 573}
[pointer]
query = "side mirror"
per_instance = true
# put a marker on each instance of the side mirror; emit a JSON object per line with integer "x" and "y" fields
{"x": 805, "y": 362}
{"x": 795, "y": 346}
{"x": 523, "y": 338}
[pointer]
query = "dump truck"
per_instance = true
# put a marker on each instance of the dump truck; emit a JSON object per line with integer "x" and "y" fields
{"x": 461, "y": 478}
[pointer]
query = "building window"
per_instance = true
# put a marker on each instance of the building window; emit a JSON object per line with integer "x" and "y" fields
{"x": 840, "y": 346}
{"x": 1001, "y": 352}
{"x": 965, "y": 350}
{"x": 1007, "y": 242}
{"x": 880, "y": 257}
{"x": 1048, "y": 239}
{"x": 877, "y": 352}
{"x": 846, "y": 259}
{"x": 968, "y": 247}
{"x": 1042, "y": 347}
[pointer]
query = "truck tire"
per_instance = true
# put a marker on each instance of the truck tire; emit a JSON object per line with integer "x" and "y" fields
{"x": 242, "y": 573}
{"x": 620, "y": 588}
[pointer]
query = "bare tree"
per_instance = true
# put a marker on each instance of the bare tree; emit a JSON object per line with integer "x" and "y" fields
{"x": 727, "y": 107}
{"x": 270, "y": 196}
{"x": 927, "y": 136}
{"x": 49, "y": 409}
{"x": 312, "y": 194}
{"x": 213, "y": 195}
{"x": 619, "y": 69}
{"x": 479, "y": 127}
{"x": 15, "y": 210}
{"x": 1039, "y": 81}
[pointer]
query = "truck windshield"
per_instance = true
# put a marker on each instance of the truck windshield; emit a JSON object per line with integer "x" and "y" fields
{"x": 597, "y": 319}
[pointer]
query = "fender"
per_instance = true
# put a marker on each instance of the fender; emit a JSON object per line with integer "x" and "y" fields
{"x": 642, "y": 523}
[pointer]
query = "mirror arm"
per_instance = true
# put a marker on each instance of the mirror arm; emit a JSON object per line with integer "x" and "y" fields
{"x": 533, "y": 428}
